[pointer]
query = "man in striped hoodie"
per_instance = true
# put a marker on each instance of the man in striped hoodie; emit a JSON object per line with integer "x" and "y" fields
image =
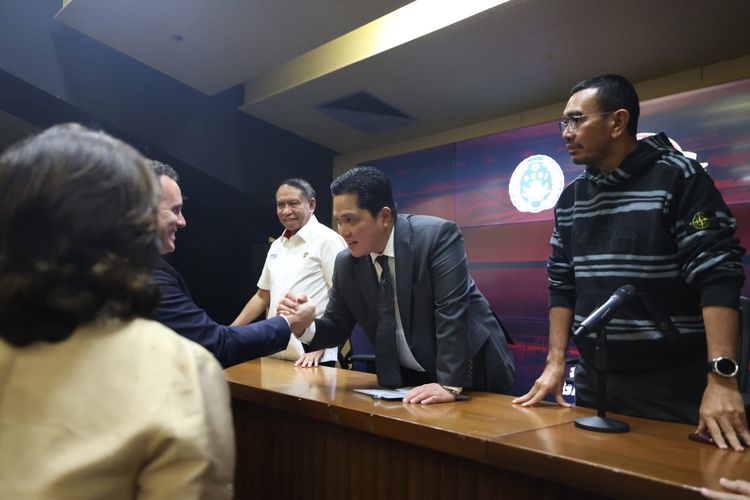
{"x": 645, "y": 215}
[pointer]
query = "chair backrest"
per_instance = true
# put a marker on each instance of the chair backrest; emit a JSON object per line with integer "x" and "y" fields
{"x": 743, "y": 344}
{"x": 361, "y": 355}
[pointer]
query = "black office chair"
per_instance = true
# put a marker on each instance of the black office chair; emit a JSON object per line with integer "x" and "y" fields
{"x": 360, "y": 355}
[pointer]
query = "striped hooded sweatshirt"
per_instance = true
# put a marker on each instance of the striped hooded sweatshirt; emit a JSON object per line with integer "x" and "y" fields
{"x": 657, "y": 223}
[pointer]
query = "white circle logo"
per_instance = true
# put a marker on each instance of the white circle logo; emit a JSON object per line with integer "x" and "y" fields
{"x": 536, "y": 184}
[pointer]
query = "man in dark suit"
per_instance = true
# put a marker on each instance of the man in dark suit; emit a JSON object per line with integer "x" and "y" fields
{"x": 229, "y": 344}
{"x": 446, "y": 336}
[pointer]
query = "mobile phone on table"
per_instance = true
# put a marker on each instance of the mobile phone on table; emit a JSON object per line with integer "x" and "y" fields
{"x": 701, "y": 437}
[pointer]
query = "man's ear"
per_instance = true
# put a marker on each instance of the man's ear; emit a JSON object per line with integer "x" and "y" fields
{"x": 387, "y": 215}
{"x": 620, "y": 119}
{"x": 312, "y": 203}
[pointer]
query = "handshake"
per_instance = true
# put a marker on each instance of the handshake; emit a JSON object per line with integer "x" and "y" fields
{"x": 298, "y": 311}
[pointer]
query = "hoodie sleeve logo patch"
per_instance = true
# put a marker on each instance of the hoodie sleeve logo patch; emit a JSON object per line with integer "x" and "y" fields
{"x": 700, "y": 221}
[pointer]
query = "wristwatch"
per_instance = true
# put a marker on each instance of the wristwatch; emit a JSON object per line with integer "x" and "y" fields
{"x": 726, "y": 367}
{"x": 453, "y": 390}
{"x": 456, "y": 392}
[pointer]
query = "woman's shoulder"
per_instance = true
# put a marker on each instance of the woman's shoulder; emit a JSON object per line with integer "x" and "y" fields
{"x": 149, "y": 341}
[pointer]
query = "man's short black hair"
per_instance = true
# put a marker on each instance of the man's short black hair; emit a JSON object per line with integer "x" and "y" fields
{"x": 372, "y": 187}
{"x": 614, "y": 92}
{"x": 302, "y": 185}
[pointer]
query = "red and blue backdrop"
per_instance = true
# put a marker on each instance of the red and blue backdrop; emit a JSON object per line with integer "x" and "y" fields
{"x": 468, "y": 182}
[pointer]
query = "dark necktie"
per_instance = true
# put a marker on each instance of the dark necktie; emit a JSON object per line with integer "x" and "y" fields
{"x": 387, "y": 365}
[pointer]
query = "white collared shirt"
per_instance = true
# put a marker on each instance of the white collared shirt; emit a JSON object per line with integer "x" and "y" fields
{"x": 302, "y": 264}
{"x": 405, "y": 356}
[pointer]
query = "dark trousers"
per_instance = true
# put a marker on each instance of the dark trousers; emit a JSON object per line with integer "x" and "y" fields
{"x": 672, "y": 394}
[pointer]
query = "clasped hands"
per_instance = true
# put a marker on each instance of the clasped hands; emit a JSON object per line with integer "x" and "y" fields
{"x": 298, "y": 310}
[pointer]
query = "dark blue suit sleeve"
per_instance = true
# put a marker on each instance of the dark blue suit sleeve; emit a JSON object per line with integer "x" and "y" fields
{"x": 229, "y": 344}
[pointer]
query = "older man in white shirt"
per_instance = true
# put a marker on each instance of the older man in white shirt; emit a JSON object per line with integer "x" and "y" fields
{"x": 300, "y": 261}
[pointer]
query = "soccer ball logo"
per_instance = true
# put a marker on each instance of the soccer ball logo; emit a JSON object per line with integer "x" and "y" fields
{"x": 536, "y": 184}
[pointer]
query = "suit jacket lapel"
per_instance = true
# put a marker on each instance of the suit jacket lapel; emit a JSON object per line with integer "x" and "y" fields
{"x": 404, "y": 263}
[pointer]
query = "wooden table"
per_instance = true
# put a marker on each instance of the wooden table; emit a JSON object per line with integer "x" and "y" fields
{"x": 305, "y": 433}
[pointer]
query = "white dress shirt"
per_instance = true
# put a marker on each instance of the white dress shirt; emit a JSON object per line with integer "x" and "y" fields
{"x": 302, "y": 264}
{"x": 405, "y": 356}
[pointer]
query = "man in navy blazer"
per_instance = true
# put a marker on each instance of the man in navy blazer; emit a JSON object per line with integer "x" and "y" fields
{"x": 448, "y": 338}
{"x": 229, "y": 344}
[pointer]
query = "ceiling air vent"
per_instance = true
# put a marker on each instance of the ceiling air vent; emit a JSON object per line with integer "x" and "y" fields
{"x": 366, "y": 113}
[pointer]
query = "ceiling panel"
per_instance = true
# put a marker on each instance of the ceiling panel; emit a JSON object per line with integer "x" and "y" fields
{"x": 212, "y": 45}
{"x": 517, "y": 56}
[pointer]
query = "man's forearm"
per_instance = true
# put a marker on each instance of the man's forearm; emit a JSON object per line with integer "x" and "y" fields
{"x": 256, "y": 306}
{"x": 722, "y": 412}
{"x": 722, "y": 326}
{"x": 560, "y": 323}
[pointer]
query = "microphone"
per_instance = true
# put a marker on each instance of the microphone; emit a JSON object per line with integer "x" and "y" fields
{"x": 599, "y": 318}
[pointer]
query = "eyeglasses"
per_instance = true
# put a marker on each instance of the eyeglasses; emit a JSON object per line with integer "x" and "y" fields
{"x": 574, "y": 121}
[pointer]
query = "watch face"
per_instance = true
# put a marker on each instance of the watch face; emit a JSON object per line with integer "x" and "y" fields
{"x": 727, "y": 367}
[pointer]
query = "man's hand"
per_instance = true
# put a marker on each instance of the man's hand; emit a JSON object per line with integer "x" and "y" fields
{"x": 428, "y": 394}
{"x": 722, "y": 413}
{"x": 301, "y": 316}
{"x": 550, "y": 381}
{"x": 739, "y": 490}
{"x": 309, "y": 359}
{"x": 287, "y": 306}
{"x": 552, "y": 377}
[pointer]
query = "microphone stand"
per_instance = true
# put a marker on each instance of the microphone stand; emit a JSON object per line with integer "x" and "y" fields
{"x": 601, "y": 422}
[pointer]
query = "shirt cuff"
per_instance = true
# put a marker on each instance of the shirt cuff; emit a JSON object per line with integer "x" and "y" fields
{"x": 562, "y": 298}
{"x": 308, "y": 335}
{"x": 727, "y": 295}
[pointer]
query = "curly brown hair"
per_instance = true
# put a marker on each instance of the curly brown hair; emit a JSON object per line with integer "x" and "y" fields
{"x": 77, "y": 234}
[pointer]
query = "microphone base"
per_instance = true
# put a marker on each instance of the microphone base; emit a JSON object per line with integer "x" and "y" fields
{"x": 602, "y": 424}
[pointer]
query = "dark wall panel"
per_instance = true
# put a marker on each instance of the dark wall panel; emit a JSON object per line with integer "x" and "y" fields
{"x": 230, "y": 163}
